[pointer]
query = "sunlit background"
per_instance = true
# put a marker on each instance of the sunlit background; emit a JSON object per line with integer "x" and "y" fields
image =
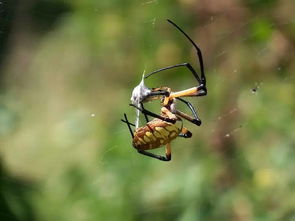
{"x": 67, "y": 70}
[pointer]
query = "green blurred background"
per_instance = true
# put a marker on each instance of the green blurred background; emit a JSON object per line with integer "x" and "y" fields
{"x": 67, "y": 70}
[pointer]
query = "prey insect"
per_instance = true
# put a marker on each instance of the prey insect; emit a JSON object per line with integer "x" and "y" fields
{"x": 168, "y": 125}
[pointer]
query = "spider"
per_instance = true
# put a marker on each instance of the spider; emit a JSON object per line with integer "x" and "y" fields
{"x": 168, "y": 125}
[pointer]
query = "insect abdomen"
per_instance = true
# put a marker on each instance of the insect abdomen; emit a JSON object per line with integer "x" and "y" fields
{"x": 154, "y": 134}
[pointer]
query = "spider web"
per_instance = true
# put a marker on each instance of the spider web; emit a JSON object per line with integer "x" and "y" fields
{"x": 252, "y": 91}
{"x": 254, "y": 88}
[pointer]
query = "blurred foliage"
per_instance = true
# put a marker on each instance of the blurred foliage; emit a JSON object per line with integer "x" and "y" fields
{"x": 67, "y": 71}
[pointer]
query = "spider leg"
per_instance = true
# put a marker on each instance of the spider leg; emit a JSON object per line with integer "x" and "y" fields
{"x": 168, "y": 151}
{"x": 191, "y": 92}
{"x": 145, "y": 115}
{"x": 201, "y": 80}
{"x": 128, "y": 124}
{"x": 164, "y": 91}
{"x": 149, "y": 113}
{"x": 158, "y": 93}
{"x": 187, "y": 65}
{"x": 196, "y": 120}
{"x": 159, "y": 157}
{"x": 199, "y": 52}
{"x": 185, "y": 133}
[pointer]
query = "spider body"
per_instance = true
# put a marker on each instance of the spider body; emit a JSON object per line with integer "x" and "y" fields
{"x": 158, "y": 132}
{"x": 154, "y": 134}
{"x": 167, "y": 126}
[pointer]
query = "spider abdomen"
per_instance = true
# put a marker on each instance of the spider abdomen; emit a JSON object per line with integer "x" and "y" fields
{"x": 155, "y": 134}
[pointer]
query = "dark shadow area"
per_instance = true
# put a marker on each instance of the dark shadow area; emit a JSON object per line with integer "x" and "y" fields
{"x": 7, "y": 15}
{"x": 19, "y": 19}
{"x": 14, "y": 203}
{"x": 45, "y": 14}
